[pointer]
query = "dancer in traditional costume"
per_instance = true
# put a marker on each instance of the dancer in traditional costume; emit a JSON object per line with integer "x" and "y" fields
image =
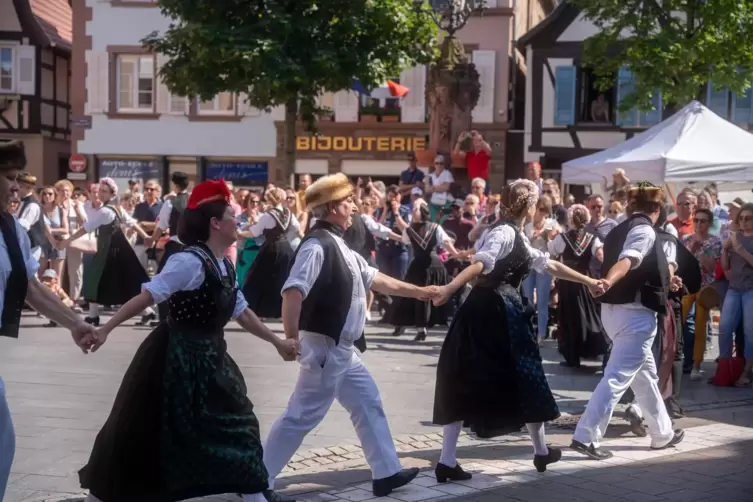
{"x": 181, "y": 425}
{"x": 324, "y": 303}
{"x": 116, "y": 274}
{"x": 426, "y": 269}
{"x": 490, "y": 376}
{"x": 581, "y": 334}
{"x": 19, "y": 284}
{"x": 272, "y": 265}
{"x": 637, "y": 274}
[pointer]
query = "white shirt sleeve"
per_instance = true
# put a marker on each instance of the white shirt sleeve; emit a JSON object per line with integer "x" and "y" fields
{"x": 98, "y": 219}
{"x": 670, "y": 229}
{"x": 266, "y": 221}
{"x": 539, "y": 259}
{"x": 494, "y": 245}
{"x": 638, "y": 243}
{"x": 442, "y": 237}
{"x": 556, "y": 246}
{"x": 367, "y": 273}
{"x": 376, "y": 228}
{"x": 596, "y": 245}
{"x": 163, "y": 218}
{"x": 306, "y": 267}
{"x": 32, "y": 265}
{"x": 29, "y": 216}
{"x": 295, "y": 225}
{"x": 128, "y": 219}
{"x": 404, "y": 236}
{"x": 670, "y": 251}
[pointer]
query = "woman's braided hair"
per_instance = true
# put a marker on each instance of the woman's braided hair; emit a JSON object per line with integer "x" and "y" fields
{"x": 517, "y": 197}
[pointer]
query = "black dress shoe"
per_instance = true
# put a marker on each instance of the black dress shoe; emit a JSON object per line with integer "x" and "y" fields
{"x": 145, "y": 319}
{"x": 541, "y": 461}
{"x": 420, "y": 337}
{"x": 445, "y": 473}
{"x": 677, "y": 439}
{"x": 385, "y": 486}
{"x": 591, "y": 451}
{"x": 636, "y": 422}
{"x": 273, "y": 496}
{"x": 94, "y": 321}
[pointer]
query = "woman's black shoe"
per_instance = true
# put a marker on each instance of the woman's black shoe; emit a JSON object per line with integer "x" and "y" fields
{"x": 94, "y": 321}
{"x": 420, "y": 337}
{"x": 146, "y": 318}
{"x": 398, "y": 331}
{"x": 541, "y": 461}
{"x": 444, "y": 473}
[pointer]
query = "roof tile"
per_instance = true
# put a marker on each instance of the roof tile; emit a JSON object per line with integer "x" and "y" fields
{"x": 55, "y": 17}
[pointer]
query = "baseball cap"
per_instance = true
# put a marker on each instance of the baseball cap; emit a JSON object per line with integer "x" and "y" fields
{"x": 416, "y": 191}
{"x": 49, "y": 274}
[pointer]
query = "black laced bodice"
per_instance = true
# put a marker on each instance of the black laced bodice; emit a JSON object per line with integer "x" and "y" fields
{"x": 423, "y": 238}
{"x": 577, "y": 253}
{"x": 282, "y": 219}
{"x": 512, "y": 269}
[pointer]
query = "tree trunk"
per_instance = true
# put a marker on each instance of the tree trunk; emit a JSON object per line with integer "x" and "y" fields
{"x": 288, "y": 165}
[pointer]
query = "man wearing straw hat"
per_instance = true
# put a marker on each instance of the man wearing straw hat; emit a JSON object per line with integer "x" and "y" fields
{"x": 324, "y": 305}
{"x": 637, "y": 276}
{"x": 19, "y": 284}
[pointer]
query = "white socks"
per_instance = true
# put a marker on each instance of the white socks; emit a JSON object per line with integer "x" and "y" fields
{"x": 538, "y": 438}
{"x": 93, "y": 309}
{"x": 256, "y": 497}
{"x": 451, "y": 433}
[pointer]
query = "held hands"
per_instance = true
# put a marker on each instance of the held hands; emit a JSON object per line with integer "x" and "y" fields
{"x": 85, "y": 336}
{"x": 598, "y": 288}
{"x": 289, "y": 349}
{"x": 675, "y": 283}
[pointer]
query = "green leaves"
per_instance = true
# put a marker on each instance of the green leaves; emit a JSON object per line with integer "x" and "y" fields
{"x": 671, "y": 46}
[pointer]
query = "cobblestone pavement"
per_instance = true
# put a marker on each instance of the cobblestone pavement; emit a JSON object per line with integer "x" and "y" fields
{"x": 60, "y": 398}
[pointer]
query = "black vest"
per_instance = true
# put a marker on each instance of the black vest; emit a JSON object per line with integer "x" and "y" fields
{"x": 179, "y": 205}
{"x": 326, "y": 307}
{"x": 18, "y": 282}
{"x": 36, "y": 232}
{"x": 649, "y": 283}
{"x": 359, "y": 238}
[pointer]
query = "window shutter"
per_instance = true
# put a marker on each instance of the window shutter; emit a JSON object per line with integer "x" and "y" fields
{"x": 717, "y": 101}
{"x": 97, "y": 82}
{"x": 565, "y": 78}
{"x": 246, "y": 109}
{"x": 483, "y": 113}
{"x": 163, "y": 94}
{"x": 625, "y": 86}
{"x": 326, "y": 100}
{"x": 490, "y": 4}
{"x": 413, "y": 106}
{"x": 346, "y": 106}
{"x": 653, "y": 117}
{"x": 741, "y": 107}
{"x": 26, "y": 63}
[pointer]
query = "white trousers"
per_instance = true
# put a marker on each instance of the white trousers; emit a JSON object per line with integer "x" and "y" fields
{"x": 330, "y": 372}
{"x": 631, "y": 364}
{"x": 74, "y": 262}
{"x": 7, "y": 441}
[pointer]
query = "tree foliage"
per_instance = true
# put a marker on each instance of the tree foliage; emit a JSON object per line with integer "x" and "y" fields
{"x": 671, "y": 46}
{"x": 288, "y": 52}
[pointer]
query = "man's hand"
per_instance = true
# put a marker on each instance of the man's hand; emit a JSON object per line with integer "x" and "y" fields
{"x": 598, "y": 288}
{"x": 442, "y": 297}
{"x": 85, "y": 336}
{"x": 675, "y": 283}
{"x": 289, "y": 349}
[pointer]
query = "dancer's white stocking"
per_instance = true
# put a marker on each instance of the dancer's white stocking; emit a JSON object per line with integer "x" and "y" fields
{"x": 538, "y": 438}
{"x": 451, "y": 433}
{"x": 256, "y": 497}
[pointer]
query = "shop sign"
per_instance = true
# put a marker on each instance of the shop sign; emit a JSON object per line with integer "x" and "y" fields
{"x": 122, "y": 170}
{"x": 251, "y": 173}
{"x": 364, "y": 144}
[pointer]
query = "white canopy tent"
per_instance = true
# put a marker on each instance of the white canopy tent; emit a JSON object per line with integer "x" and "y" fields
{"x": 694, "y": 144}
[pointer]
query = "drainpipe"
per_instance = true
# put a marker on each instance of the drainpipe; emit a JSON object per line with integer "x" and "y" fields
{"x": 514, "y": 69}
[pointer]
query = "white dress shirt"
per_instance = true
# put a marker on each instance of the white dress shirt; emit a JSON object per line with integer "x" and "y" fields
{"x": 306, "y": 268}
{"x": 163, "y": 219}
{"x": 31, "y": 264}
{"x": 104, "y": 217}
{"x": 185, "y": 272}
{"x": 377, "y": 229}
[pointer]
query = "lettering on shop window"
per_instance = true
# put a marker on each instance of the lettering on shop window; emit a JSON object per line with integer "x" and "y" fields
{"x": 365, "y": 144}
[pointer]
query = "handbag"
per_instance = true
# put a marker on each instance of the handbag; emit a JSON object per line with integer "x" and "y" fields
{"x": 86, "y": 244}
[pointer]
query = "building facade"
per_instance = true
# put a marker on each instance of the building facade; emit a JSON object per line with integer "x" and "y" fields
{"x": 35, "y": 53}
{"x": 129, "y": 126}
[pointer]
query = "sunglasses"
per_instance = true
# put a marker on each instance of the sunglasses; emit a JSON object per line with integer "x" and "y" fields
{"x": 685, "y": 204}
{"x": 700, "y": 220}
{"x": 549, "y": 192}
{"x": 612, "y": 211}
{"x": 593, "y": 208}
{"x": 150, "y": 189}
{"x": 291, "y": 198}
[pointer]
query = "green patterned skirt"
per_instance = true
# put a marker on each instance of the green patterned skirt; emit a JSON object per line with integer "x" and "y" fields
{"x": 181, "y": 426}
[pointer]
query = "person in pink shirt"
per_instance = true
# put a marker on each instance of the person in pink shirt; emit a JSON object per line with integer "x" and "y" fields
{"x": 231, "y": 253}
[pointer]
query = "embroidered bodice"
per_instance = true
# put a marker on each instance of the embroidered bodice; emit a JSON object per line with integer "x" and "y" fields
{"x": 282, "y": 219}
{"x": 578, "y": 250}
{"x": 512, "y": 268}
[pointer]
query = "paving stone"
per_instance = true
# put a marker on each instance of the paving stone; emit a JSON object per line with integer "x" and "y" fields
{"x": 337, "y": 450}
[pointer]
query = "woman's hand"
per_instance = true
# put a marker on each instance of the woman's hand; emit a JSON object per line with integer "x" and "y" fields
{"x": 288, "y": 349}
{"x": 443, "y": 295}
{"x": 100, "y": 338}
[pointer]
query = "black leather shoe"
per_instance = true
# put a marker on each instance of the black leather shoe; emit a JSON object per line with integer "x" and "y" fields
{"x": 273, "y": 496}
{"x": 145, "y": 319}
{"x": 677, "y": 439}
{"x": 541, "y": 461}
{"x": 385, "y": 486}
{"x": 591, "y": 451}
{"x": 445, "y": 473}
{"x": 636, "y": 422}
{"x": 94, "y": 321}
{"x": 420, "y": 337}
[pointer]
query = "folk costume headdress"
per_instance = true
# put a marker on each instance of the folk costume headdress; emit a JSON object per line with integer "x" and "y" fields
{"x": 645, "y": 192}
{"x": 27, "y": 178}
{"x": 110, "y": 184}
{"x": 328, "y": 189}
{"x": 209, "y": 191}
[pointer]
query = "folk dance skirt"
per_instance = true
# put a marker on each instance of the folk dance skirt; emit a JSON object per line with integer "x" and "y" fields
{"x": 181, "y": 426}
{"x": 411, "y": 312}
{"x": 581, "y": 334}
{"x": 490, "y": 375}
{"x": 115, "y": 274}
{"x": 267, "y": 275}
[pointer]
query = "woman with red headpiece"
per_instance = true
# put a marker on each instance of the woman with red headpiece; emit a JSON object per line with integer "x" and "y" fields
{"x": 182, "y": 426}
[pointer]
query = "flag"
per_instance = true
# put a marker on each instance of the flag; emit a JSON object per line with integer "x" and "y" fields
{"x": 389, "y": 89}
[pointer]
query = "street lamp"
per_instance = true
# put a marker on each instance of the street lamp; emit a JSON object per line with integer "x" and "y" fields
{"x": 451, "y": 15}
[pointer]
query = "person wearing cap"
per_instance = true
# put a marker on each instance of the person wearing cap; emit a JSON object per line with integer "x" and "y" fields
{"x": 50, "y": 279}
{"x": 415, "y": 194}
{"x": 19, "y": 284}
{"x": 730, "y": 225}
{"x": 115, "y": 275}
{"x": 30, "y": 214}
{"x": 411, "y": 179}
{"x": 324, "y": 307}
{"x": 182, "y": 425}
{"x": 637, "y": 275}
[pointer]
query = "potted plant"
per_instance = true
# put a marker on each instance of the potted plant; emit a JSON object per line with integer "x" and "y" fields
{"x": 369, "y": 113}
{"x": 390, "y": 114}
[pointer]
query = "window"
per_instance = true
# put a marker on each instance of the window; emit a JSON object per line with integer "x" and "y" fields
{"x": 6, "y": 69}
{"x": 380, "y": 105}
{"x": 222, "y": 104}
{"x": 596, "y": 106}
{"x": 178, "y": 105}
{"x": 135, "y": 83}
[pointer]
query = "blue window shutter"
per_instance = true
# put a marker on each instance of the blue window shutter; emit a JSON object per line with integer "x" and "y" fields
{"x": 741, "y": 107}
{"x": 653, "y": 117}
{"x": 717, "y": 101}
{"x": 565, "y": 78}
{"x": 625, "y": 86}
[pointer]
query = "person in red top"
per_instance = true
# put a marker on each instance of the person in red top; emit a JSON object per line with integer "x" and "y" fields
{"x": 686, "y": 205}
{"x": 476, "y": 160}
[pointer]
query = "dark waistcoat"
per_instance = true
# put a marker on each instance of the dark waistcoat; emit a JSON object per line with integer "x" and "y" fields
{"x": 36, "y": 232}
{"x": 179, "y": 205}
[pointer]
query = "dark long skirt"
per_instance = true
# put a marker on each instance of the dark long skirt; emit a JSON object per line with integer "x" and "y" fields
{"x": 490, "y": 375}
{"x": 115, "y": 274}
{"x": 181, "y": 427}
{"x": 268, "y": 273}
{"x": 581, "y": 334}
{"x": 410, "y": 312}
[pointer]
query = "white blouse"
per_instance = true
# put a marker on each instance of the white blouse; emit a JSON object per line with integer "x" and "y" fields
{"x": 377, "y": 229}
{"x": 558, "y": 245}
{"x": 497, "y": 243}
{"x": 267, "y": 221}
{"x": 185, "y": 272}
{"x": 442, "y": 237}
{"x": 103, "y": 217}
